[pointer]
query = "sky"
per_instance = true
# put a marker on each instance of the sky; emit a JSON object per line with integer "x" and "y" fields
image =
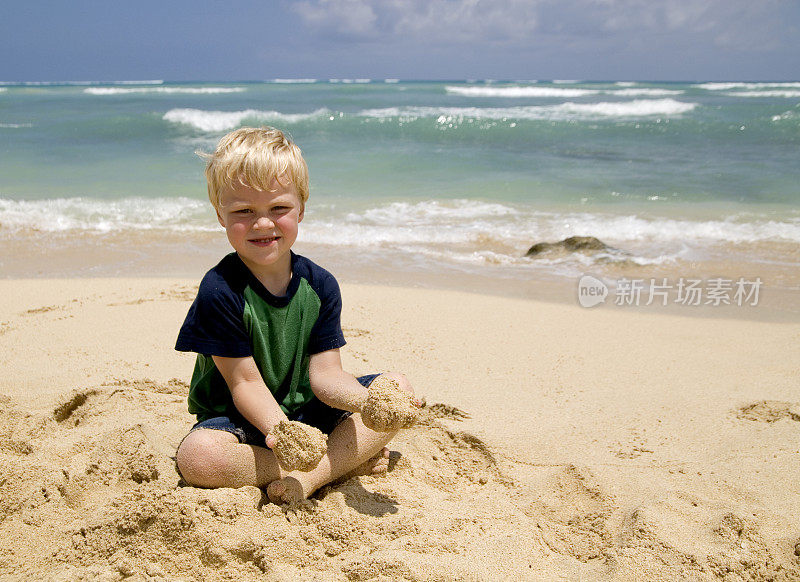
{"x": 239, "y": 40}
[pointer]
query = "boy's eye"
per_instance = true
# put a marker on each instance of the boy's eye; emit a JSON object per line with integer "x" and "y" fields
{"x": 243, "y": 211}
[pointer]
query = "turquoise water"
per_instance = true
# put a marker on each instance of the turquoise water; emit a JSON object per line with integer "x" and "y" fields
{"x": 469, "y": 173}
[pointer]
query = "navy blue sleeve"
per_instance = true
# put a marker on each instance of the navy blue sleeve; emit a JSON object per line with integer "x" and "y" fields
{"x": 214, "y": 324}
{"x": 327, "y": 331}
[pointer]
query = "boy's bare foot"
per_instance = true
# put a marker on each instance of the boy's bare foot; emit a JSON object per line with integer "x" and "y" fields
{"x": 292, "y": 490}
{"x": 375, "y": 466}
{"x": 286, "y": 490}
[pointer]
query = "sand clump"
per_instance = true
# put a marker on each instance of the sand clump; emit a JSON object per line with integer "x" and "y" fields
{"x": 298, "y": 446}
{"x": 388, "y": 407}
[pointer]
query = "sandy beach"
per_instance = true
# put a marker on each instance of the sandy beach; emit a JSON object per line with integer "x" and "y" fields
{"x": 558, "y": 443}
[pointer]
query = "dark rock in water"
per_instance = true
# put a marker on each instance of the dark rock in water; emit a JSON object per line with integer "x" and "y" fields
{"x": 571, "y": 244}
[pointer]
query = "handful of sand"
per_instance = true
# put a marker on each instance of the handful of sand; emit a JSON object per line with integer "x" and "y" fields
{"x": 298, "y": 446}
{"x": 388, "y": 407}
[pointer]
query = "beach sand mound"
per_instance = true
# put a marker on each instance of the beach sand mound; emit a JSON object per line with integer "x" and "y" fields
{"x": 89, "y": 491}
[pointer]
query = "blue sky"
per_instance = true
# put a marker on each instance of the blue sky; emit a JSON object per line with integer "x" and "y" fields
{"x": 414, "y": 39}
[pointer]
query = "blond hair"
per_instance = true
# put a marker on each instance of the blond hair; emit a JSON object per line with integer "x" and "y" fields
{"x": 254, "y": 157}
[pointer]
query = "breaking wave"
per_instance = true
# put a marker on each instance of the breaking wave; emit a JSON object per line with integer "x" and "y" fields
{"x": 749, "y": 86}
{"x": 101, "y": 216}
{"x": 768, "y": 93}
{"x": 568, "y": 110}
{"x": 456, "y": 231}
{"x": 214, "y": 121}
{"x": 520, "y": 91}
{"x": 569, "y": 92}
{"x": 167, "y": 90}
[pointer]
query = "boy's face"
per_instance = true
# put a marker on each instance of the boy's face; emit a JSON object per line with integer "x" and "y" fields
{"x": 262, "y": 226}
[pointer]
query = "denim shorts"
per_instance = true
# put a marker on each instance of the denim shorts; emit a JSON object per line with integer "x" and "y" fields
{"x": 316, "y": 413}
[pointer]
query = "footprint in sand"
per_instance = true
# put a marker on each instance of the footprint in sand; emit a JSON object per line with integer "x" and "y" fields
{"x": 769, "y": 411}
{"x": 70, "y": 408}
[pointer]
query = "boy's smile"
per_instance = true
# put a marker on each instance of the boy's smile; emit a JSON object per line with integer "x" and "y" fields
{"x": 262, "y": 227}
{"x": 263, "y": 242}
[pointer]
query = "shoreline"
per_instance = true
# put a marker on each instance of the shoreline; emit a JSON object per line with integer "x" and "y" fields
{"x": 189, "y": 256}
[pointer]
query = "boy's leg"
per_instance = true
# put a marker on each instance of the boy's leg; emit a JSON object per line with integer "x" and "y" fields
{"x": 216, "y": 458}
{"x": 352, "y": 449}
{"x": 351, "y": 445}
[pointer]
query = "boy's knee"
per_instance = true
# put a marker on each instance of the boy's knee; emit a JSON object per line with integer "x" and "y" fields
{"x": 202, "y": 460}
{"x": 401, "y": 380}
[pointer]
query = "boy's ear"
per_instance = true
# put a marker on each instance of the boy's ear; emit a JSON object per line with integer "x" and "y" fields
{"x": 219, "y": 217}
{"x": 302, "y": 212}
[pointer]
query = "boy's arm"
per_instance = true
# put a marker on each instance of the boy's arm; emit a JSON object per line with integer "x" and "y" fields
{"x": 250, "y": 394}
{"x": 331, "y": 384}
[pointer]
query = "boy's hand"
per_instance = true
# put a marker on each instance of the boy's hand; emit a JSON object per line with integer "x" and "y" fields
{"x": 388, "y": 407}
{"x": 298, "y": 446}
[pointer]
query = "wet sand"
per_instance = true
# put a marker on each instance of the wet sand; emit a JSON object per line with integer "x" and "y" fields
{"x": 189, "y": 255}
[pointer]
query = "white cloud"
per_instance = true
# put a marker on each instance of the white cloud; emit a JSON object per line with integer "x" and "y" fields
{"x": 348, "y": 17}
{"x": 740, "y": 24}
{"x": 432, "y": 20}
{"x": 731, "y": 24}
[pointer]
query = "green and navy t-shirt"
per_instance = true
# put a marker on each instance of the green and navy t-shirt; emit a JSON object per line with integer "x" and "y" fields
{"x": 235, "y": 316}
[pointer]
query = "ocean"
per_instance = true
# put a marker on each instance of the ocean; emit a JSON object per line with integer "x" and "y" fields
{"x": 441, "y": 181}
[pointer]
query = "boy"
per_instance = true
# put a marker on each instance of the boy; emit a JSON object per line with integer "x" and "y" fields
{"x": 265, "y": 325}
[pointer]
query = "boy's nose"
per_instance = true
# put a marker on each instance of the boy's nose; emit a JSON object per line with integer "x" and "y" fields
{"x": 263, "y": 222}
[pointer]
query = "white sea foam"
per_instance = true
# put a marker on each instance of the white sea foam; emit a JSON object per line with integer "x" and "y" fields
{"x": 214, "y": 121}
{"x": 465, "y": 221}
{"x": 473, "y": 232}
{"x": 350, "y": 81}
{"x": 151, "y": 82}
{"x": 434, "y": 210}
{"x": 784, "y": 116}
{"x": 738, "y": 85}
{"x": 527, "y": 91}
{"x": 368, "y": 235}
{"x": 644, "y": 92}
{"x": 636, "y": 228}
{"x": 641, "y": 107}
{"x": 768, "y": 93}
{"x": 167, "y": 90}
{"x": 101, "y": 216}
{"x": 3, "y": 89}
{"x": 456, "y": 231}
{"x": 294, "y": 81}
{"x": 15, "y": 125}
{"x": 563, "y": 111}
{"x": 391, "y": 81}
{"x": 519, "y": 91}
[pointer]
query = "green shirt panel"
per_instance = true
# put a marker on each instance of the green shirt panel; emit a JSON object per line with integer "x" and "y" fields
{"x": 280, "y": 338}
